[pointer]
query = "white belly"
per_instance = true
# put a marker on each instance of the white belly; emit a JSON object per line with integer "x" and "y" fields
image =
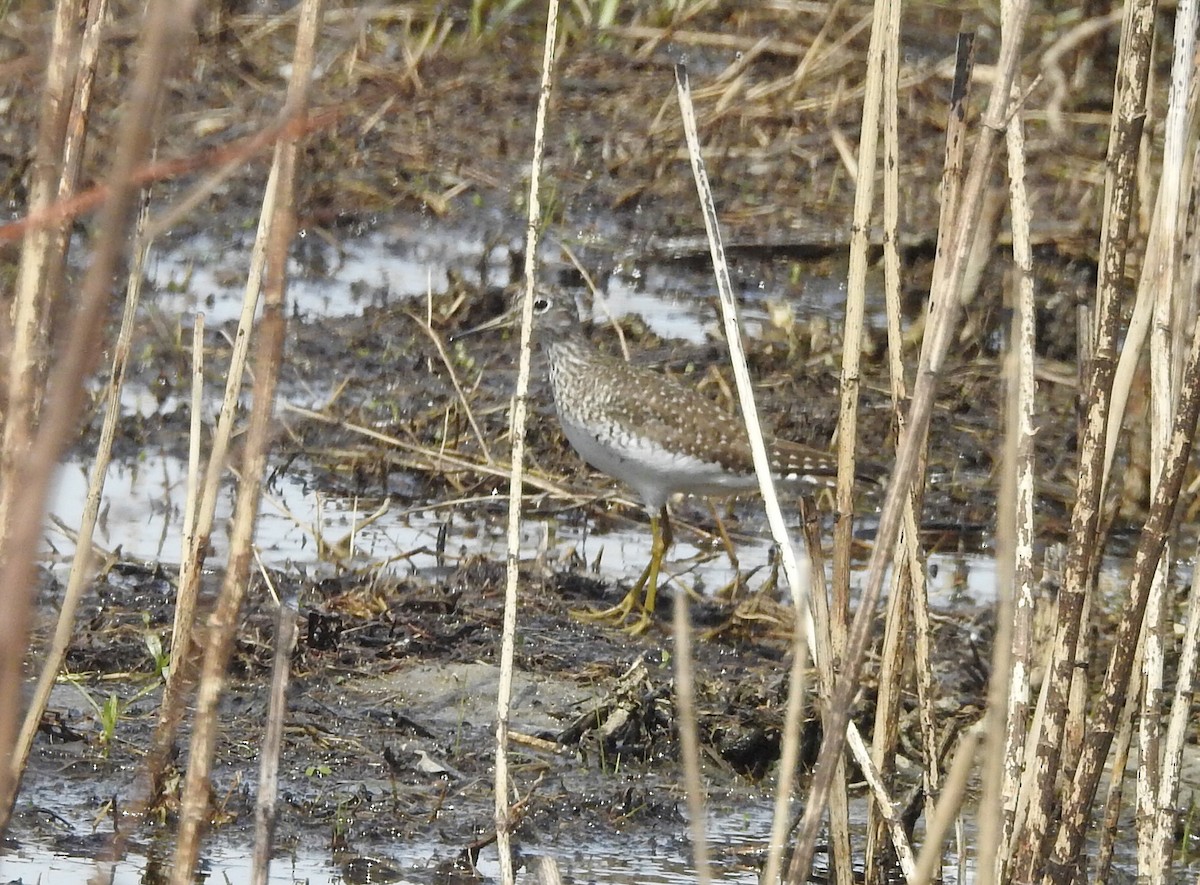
{"x": 649, "y": 469}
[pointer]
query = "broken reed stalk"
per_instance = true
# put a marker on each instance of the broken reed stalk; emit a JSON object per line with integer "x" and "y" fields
{"x": 737, "y": 357}
{"x": 35, "y": 458}
{"x": 823, "y": 645}
{"x": 279, "y": 204}
{"x": 1006, "y": 716}
{"x": 191, "y": 501}
{"x": 737, "y": 353}
{"x": 948, "y": 277}
{"x": 1039, "y": 793}
{"x": 689, "y": 738}
{"x": 81, "y": 564}
{"x": 517, "y": 430}
{"x": 799, "y": 588}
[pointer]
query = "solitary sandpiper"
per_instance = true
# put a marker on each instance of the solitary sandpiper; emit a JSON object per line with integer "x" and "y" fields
{"x": 654, "y": 434}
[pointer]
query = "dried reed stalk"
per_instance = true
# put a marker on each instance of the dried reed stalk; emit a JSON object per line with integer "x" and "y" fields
{"x": 946, "y": 810}
{"x": 793, "y": 720}
{"x": 432, "y": 460}
{"x": 36, "y": 463}
{"x": 517, "y": 428}
{"x": 191, "y": 502}
{"x": 737, "y": 354}
{"x": 909, "y": 591}
{"x": 807, "y": 638}
{"x": 192, "y": 563}
{"x": 27, "y": 318}
{"x": 947, "y": 281}
{"x": 81, "y": 564}
{"x": 427, "y": 329}
{"x": 1166, "y": 816}
{"x": 884, "y": 42}
{"x": 171, "y": 705}
{"x": 24, "y": 337}
{"x": 1077, "y": 803}
{"x": 279, "y": 204}
{"x": 1129, "y": 103}
{"x": 55, "y": 250}
{"x": 1156, "y": 823}
{"x": 1006, "y": 719}
{"x": 888, "y": 815}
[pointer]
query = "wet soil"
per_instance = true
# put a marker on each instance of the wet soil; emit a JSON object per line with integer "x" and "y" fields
{"x": 390, "y": 719}
{"x": 391, "y": 710}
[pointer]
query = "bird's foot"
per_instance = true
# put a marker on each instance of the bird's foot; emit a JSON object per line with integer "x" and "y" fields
{"x": 640, "y": 626}
{"x": 615, "y": 615}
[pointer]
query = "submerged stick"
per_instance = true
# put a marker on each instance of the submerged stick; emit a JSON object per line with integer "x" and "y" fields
{"x": 689, "y": 738}
{"x": 268, "y": 769}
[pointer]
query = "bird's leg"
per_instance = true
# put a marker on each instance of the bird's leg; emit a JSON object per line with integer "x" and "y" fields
{"x": 619, "y": 612}
{"x": 660, "y": 532}
{"x": 660, "y": 528}
{"x": 729, "y": 592}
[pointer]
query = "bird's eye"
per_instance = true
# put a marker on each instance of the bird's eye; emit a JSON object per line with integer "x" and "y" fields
{"x": 541, "y": 305}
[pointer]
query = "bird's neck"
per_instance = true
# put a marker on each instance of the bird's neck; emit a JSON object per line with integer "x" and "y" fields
{"x": 569, "y": 348}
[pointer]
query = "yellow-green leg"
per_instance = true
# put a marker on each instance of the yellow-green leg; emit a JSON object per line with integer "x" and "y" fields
{"x": 660, "y": 529}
